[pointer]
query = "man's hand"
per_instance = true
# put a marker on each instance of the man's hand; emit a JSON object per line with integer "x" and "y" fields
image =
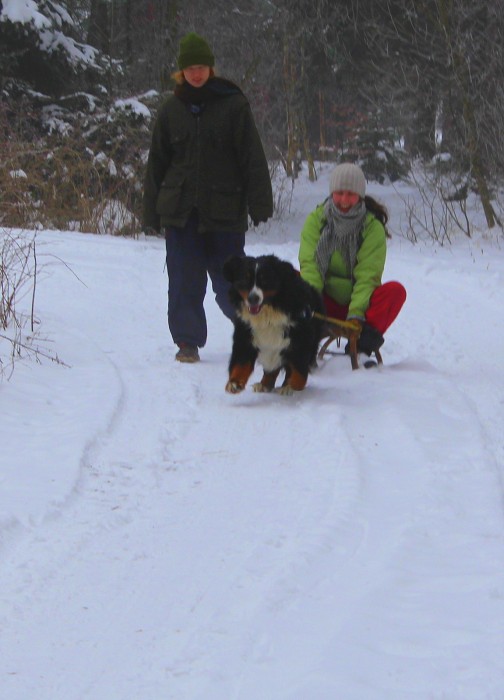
{"x": 256, "y": 220}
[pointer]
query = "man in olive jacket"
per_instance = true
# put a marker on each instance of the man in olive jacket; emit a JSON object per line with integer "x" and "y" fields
{"x": 206, "y": 174}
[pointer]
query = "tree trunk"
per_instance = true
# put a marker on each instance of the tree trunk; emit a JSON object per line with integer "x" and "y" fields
{"x": 322, "y": 127}
{"x": 476, "y": 165}
{"x": 463, "y": 81}
{"x": 312, "y": 173}
{"x": 99, "y": 26}
{"x": 298, "y": 144}
{"x": 291, "y": 142}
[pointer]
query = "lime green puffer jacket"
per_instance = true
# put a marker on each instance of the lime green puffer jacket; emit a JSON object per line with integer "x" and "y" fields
{"x": 338, "y": 284}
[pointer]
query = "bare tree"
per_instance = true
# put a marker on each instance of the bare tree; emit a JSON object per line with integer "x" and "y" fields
{"x": 443, "y": 60}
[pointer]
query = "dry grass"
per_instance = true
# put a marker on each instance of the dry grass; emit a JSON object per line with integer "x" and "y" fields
{"x": 60, "y": 182}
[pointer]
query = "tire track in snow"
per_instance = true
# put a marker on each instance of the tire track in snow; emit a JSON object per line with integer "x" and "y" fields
{"x": 351, "y": 588}
{"x": 413, "y": 505}
{"x": 300, "y": 514}
{"x": 97, "y": 530}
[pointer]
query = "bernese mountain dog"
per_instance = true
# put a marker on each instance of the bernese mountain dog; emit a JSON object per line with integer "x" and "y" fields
{"x": 274, "y": 323}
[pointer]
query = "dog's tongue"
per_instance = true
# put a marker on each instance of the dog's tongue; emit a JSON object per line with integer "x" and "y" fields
{"x": 254, "y": 310}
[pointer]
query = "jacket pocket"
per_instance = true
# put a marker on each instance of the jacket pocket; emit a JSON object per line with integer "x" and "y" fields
{"x": 169, "y": 197}
{"x": 221, "y": 137}
{"x": 178, "y": 141}
{"x": 226, "y": 202}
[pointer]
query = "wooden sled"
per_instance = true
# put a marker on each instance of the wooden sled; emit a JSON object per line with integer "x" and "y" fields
{"x": 336, "y": 330}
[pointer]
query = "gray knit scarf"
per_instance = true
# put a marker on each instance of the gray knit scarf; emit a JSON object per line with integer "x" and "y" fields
{"x": 342, "y": 233}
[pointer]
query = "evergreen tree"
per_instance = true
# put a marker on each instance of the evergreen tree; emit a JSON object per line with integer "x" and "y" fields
{"x": 41, "y": 49}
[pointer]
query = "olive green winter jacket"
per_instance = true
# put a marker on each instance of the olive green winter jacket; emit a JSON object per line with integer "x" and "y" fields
{"x": 213, "y": 162}
{"x": 368, "y": 269}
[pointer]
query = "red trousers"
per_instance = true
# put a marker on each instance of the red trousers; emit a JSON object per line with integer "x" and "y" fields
{"x": 385, "y": 303}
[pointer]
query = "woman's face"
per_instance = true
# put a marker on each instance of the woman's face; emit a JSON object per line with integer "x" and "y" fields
{"x": 197, "y": 75}
{"x": 344, "y": 200}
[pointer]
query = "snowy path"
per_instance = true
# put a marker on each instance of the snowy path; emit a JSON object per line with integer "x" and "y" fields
{"x": 342, "y": 543}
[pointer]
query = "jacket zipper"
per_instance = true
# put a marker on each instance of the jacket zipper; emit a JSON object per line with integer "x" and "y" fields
{"x": 198, "y": 136}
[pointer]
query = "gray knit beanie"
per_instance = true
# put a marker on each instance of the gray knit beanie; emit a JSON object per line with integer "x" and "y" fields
{"x": 348, "y": 176}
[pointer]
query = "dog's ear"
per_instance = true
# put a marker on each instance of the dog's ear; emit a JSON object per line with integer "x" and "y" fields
{"x": 231, "y": 267}
{"x": 288, "y": 270}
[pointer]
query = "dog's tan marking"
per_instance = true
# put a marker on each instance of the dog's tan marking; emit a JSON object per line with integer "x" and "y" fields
{"x": 296, "y": 381}
{"x": 238, "y": 378}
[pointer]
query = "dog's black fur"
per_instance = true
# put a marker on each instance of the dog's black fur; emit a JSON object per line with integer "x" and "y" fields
{"x": 274, "y": 323}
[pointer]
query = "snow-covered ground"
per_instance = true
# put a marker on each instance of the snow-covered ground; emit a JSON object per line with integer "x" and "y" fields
{"x": 163, "y": 540}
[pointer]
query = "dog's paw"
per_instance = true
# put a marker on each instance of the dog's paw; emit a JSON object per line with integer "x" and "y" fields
{"x": 285, "y": 390}
{"x": 234, "y": 388}
{"x": 260, "y": 388}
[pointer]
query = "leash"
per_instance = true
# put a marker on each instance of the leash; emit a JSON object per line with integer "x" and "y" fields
{"x": 348, "y": 326}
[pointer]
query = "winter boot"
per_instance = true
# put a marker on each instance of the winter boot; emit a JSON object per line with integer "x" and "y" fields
{"x": 187, "y": 353}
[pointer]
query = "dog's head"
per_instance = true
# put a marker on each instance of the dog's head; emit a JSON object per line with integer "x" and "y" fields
{"x": 257, "y": 281}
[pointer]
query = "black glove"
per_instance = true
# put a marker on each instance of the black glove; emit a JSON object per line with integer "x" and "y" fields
{"x": 370, "y": 340}
{"x": 256, "y": 220}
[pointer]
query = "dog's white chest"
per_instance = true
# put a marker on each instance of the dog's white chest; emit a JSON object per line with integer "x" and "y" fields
{"x": 270, "y": 335}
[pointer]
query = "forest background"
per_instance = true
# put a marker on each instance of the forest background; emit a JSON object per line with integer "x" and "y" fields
{"x": 399, "y": 86}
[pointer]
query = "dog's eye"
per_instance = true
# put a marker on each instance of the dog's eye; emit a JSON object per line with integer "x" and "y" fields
{"x": 246, "y": 280}
{"x": 265, "y": 279}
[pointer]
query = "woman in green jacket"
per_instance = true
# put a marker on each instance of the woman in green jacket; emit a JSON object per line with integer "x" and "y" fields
{"x": 206, "y": 174}
{"x": 342, "y": 254}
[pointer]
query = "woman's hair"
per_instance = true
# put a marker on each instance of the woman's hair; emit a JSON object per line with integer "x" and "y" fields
{"x": 378, "y": 211}
{"x": 178, "y": 76}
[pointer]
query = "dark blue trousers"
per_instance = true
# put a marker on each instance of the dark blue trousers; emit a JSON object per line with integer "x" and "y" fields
{"x": 191, "y": 258}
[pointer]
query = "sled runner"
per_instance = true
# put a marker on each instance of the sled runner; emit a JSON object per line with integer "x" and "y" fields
{"x": 336, "y": 330}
